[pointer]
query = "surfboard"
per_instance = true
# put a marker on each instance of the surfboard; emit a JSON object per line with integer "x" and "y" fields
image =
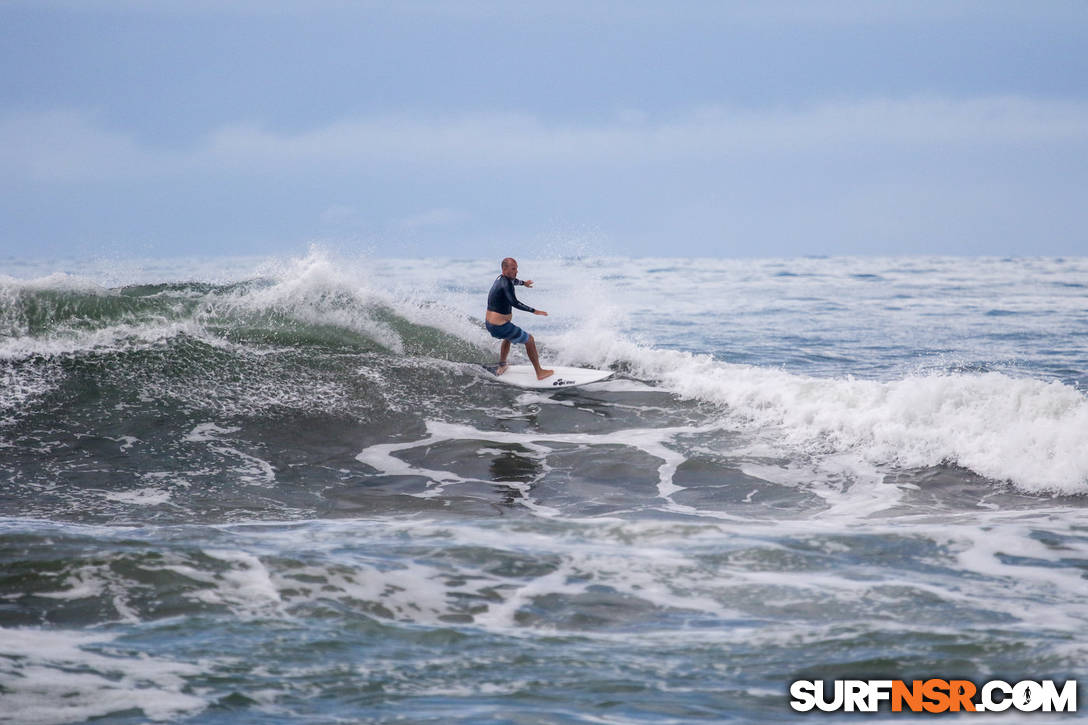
{"x": 524, "y": 376}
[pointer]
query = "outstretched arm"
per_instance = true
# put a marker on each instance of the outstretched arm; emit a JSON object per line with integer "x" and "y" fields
{"x": 526, "y": 283}
{"x": 508, "y": 290}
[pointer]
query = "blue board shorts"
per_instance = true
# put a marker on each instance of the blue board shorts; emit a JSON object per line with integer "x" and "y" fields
{"x": 508, "y": 331}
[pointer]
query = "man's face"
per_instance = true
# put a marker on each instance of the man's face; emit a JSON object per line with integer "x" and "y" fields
{"x": 512, "y": 271}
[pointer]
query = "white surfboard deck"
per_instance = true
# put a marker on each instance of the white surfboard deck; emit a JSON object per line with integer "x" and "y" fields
{"x": 524, "y": 376}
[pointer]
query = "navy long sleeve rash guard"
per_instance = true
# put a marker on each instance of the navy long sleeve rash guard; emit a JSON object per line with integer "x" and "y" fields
{"x": 501, "y": 297}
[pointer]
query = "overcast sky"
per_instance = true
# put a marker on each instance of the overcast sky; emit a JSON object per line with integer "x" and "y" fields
{"x": 473, "y": 129}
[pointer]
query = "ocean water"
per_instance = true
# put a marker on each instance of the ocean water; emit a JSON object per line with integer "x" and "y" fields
{"x": 285, "y": 491}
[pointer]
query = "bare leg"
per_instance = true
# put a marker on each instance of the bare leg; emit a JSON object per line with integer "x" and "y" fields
{"x": 504, "y": 352}
{"x": 534, "y": 358}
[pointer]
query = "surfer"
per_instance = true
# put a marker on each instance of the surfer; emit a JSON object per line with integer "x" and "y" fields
{"x": 500, "y": 300}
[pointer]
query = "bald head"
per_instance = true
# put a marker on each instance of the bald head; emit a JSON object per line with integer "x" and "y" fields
{"x": 509, "y": 263}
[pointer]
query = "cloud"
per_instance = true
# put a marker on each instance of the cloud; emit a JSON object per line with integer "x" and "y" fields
{"x": 74, "y": 146}
{"x": 514, "y": 139}
{"x": 431, "y": 219}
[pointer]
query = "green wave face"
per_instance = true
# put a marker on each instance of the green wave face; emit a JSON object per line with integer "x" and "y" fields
{"x": 46, "y": 320}
{"x": 184, "y": 352}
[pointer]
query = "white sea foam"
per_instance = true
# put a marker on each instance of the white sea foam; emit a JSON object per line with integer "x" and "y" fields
{"x": 246, "y": 583}
{"x": 321, "y": 291}
{"x": 650, "y": 440}
{"x": 19, "y": 388}
{"x": 96, "y": 581}
{"x": 207, "y": 432}
{"x": 248, "y": 468}
{"x": 954, "y": 578}
{"x": 139, "y": 497}
{"x": 83, "y": 584}
{"x": 53, "y": 676}
{"x": 137, "y": 336}
{"x": 986, "y": 566}
{"x": 53, "y": 282}
{"x": 1031, "y": 432}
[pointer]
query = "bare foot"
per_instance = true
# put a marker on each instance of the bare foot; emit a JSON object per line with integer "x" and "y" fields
{"x": 544, "y": 373}
{"x": 501, "y": 368}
